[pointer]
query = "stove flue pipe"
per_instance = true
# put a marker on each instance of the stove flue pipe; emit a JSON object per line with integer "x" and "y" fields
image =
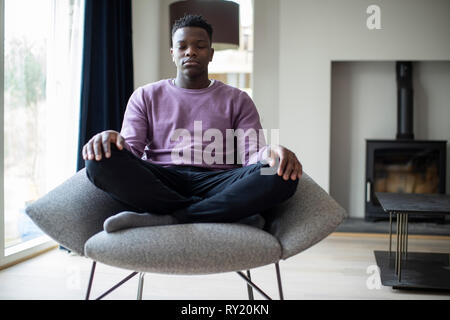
{"x": 405, "y": 103}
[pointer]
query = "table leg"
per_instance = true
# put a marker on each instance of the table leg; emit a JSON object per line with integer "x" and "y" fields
{"x": 406, "y": 237}
{"x": 400, "y": 248}
{"x": 397, "y": 242}
{"x": 390, "y": 233}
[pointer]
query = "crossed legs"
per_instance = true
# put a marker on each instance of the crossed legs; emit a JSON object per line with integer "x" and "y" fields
{"x": 185, "y": 194}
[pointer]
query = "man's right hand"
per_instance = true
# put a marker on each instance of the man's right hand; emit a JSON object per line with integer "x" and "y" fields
{"x": 101, "y": 143}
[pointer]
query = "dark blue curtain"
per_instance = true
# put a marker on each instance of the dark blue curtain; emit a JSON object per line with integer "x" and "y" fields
{"x": 107, "y": 76}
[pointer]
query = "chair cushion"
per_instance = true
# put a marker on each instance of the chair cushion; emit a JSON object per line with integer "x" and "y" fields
{"x": 201, "y": 248}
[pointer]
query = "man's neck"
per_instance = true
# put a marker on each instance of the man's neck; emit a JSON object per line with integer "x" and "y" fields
{"x": 196, "y": 83}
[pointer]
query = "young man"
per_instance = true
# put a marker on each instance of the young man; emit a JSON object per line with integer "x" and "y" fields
{"x": 141, "y": 166}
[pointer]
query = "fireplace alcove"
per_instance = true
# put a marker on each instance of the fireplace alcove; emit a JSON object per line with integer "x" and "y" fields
{"x": 364, "y": 108}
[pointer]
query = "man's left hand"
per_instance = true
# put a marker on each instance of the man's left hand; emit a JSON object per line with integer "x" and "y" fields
{"x": 289, "y": 166}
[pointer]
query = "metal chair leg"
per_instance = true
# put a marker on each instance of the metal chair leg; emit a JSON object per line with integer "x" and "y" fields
{"x": 243, "y": 276}
{"x": 140, "y": 285}
{"x": 91, "y": 279}
{"x": 250, "y": 284}
{"x": 280, "y": 288}
{"x": 117, "y": 285}
{"x": 249, "y": 288}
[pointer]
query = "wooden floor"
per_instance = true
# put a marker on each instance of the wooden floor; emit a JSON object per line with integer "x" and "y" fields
{"x": 335, "y": 268}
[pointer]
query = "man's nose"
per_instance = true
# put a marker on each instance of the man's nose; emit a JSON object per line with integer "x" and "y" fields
{"x": 191, "y": 51}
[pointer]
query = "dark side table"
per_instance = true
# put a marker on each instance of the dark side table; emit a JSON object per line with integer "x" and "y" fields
{"x": 412, "y": 270}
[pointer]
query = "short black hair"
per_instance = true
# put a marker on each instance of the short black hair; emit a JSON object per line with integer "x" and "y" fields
{"x": 191, "y": 20}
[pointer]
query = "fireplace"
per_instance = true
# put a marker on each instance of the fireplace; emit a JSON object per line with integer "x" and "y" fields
{"x": 409, "y": 166}
{"x": 404, "y": 165}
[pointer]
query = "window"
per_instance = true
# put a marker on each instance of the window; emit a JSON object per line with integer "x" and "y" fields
{"x": 235, "y": 67}
{"x": 41, "y": 82}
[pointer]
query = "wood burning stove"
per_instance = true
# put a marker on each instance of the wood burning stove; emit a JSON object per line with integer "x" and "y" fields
{"x": 408, "y": 166}
{"x": 404, "y": 165}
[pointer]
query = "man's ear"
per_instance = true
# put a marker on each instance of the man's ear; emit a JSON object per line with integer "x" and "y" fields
{"x": 171, "y": 53}
{"x": 212, "y": 54}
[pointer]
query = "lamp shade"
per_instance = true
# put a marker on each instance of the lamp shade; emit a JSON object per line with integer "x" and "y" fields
{"x": 222, "y": 15}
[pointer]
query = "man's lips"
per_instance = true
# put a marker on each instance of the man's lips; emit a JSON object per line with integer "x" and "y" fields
{"x": 190, "y": 63}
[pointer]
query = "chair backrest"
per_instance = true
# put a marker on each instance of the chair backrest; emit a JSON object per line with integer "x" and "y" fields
{"x": 73, "y": 212}
{"x": 309, "y": 216}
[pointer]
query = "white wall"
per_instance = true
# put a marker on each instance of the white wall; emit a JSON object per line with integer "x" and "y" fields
{"x": 314, "y": 33}
{"x": 265, "y": 62}
{"x": 364, "y": 106}
{"x": 146, "y": 34}
{"x": 167, "y": 66}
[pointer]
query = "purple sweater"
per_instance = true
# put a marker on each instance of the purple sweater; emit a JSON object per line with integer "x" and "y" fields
{"x": 168, "y": 125}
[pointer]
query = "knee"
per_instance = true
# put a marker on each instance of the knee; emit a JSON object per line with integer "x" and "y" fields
{"x": 292, "y": 187}
{"x": 97, "y": 170}
{"x": 94, "y": 170}
{"x": 283, "y": 188}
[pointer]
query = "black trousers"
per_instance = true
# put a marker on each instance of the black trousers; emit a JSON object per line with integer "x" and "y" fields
{"x": 191, "y": 194}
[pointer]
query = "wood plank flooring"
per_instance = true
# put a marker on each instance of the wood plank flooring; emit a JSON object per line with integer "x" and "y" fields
{"x": 335, "y": 268}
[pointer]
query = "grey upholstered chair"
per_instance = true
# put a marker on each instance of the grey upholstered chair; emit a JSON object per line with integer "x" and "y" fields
{"x": 74, "y": 212}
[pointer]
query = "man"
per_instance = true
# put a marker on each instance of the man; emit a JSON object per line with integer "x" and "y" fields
{"x": 141, "y": 166}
